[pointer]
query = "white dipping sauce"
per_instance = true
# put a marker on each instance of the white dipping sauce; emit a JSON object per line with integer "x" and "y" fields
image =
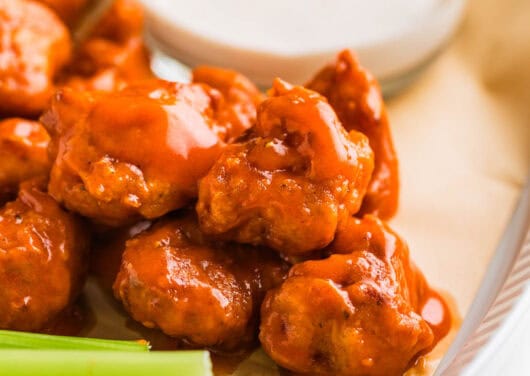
{"x": 293, "y": 38}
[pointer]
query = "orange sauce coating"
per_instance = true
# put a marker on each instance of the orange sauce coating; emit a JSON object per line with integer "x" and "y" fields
{"x": 364, "y": 310}
{"x": 355, "y": 95}
{"x": 139, "y": 152}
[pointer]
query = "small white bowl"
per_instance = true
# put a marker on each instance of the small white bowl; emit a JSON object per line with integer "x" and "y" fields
{"x": 293, "y": 39}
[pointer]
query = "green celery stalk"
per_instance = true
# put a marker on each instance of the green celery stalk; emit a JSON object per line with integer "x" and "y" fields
{"x": 23, "y": 340}
{"x": 104, "y": 363}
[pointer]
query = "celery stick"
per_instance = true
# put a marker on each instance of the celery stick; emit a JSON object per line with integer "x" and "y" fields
{"x": 23, "y": 340}
{"x": 104, "y": 363}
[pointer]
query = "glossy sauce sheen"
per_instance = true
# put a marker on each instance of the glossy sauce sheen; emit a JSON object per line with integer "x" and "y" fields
{"x": 43, "y": 253}
{"x": 200, "y": 292}
{"x": 374, "y": 235}
{"x": 97, "y": 173}
{"x": 171, "y": 134}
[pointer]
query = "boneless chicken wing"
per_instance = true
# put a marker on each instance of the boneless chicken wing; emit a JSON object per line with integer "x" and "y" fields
{"x": 35, "y": 46}
{"x": 121, "y": 156}
{"x": 114, "y": 54}
{"x": 202, "y": 292}
{"x": 292, "y": 181}
{"x": 356, "y": 313}
{"x": 42, "y": 257}
{"x": 355, "y": 95}
{"x": 240, "y": 98}
{"x": 23, "y": 154}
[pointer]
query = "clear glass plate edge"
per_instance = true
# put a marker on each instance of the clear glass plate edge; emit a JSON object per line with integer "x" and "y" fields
{"x": 504, "y": 284}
